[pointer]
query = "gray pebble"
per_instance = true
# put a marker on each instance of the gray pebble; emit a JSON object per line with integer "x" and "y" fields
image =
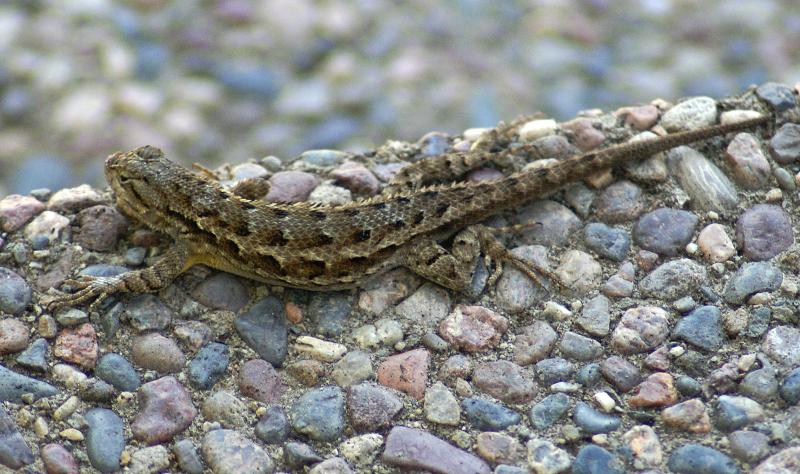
{"x": 148, "y": 313}
{"x": 273, "y": 426}
{"x": 118, "y": 371}
{"x": 674, "y": 279}
{"x": 701, "y": 328}
{"x": 761, "y": 384}
{"x": 593, "y": 421}
{"x": 764, "y": 231}
{"x": 698, "y": 459}
{"x": 709, "y": 188}
{"x": 734, "y": 412}
{"x": 556, "y": 369}
{"x": 593, "y": 459}
{"x": 319, "y": 414}
{"x": 621, "y": 373}
{"x": 549, "y": 410}
{"x": 790, "y": 387}
{"x": 688, "y": 386}
{"x": 606, "y": 241}
{"x": 485, "y": 415}
{"x": 209, "y": 365}
{"x": 13, "y": 385}
{"x": 298, "y": 455}
{"x": 751, "y": 278}
{"x": 34, "y": 357}
{"x": 748, "y": 446}
{"x": 188, "y": 459}
{"x": 330, "y": 311}
{"x": 665, "y": 231}
{"x": 581, "y": 348}
{"x": 784, "y": 146}
{"x": 353, "y": 368}
{"x": 263, "y": 328}
{"x": 588, "y": 375}
{"x": 229, "y": 452}
{"x": 222, "y": 291}
{"x": 15, "y": 293}
{"x": 620, "y": 202}
{"x": 105, "y": 439}
{"x": 779, "y": 96}
{"x": 14, "y": 452}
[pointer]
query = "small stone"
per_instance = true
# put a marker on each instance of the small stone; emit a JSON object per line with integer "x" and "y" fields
{"x": 47, "y": 227}
{"x": 708, "y": 187}
{"x": 58, "y": 460}
{"x": 371, "y": 406}
{"x": 118, "y": 371}
{"x": 222, "y": 291}
{"x": 552, "y": 407}
{"x": 78, "y": 345}
{"x": 319, "y": 349}
{"x": 15, "y": 294}
{"x": 228, "y": 452}
{"x": 593, "y": 421}
{"x": 361, "y": 450}
{"x": 750, "y": 167}
{"x": 690, "y": 114}
{"x": 642, "y": 117}
{"x": 16, "y": 211}
{"x": 790, "y": 387}
{"x": 426, "y": 306}
{"x": 156, "y": 352}
{"x": 263, "y": 328}
{"x": 148, "y": 313}
{"x": 715, "y": 243}
{"x": 356, "y": 177}
{"x": 307, "y": 372}
{"x": 621, "y": 373}
{"x": 485, "y": 415}
{"x": 406, "y": 372}
{"x": 779, "y": 96}
{"x": 74, "y": 199}
{"x": 535, "y": 129}
{"x": 291, "y": 186}
{"x": 34, "y": 357}
{"x": 534, "y": 343}
{"x": 782, "y": 344}
{"x": 764, "y": 231}
{"x": 319, "y": 414}
{"x": 225, "y": 408}
{"x": 259, "y": 380}
{"x": 14, "y": 452}
{"x": 411, "y": 448}
{"x": 674, "y": 279}
{"x": 606, "y": 241}
{"x": 441, "y": 406}
{"x": 188, "y": 459}
{"x": 105, "y": 439}
{"x": 688, "y": 386}
{"x": 150, "y": 460}
{"x": 331, "y": 466}
{"x": 473, "y": 328}
{"x": 665, "y": 231}
{"x": 593, "y": 459}
{"x": 353, "y": 368}
{"x": 273, "y": 426}
{"x": 389, "y": 331}
{"x": 545, "y": 458}
{"x": 554, "y": 370}
{"x": 640, "y": 329}
{"x": 735, "y": 412}
{"x": 645, "y": 447}
{"x": 209, "y": 365}
{"x": 701, "y": 328}
{"x": 784, "y": 146}
{"x": 752, "y": 278}
{"x": 760, "y": 384}
{"x": 579, "y": 272}
{"x": 99, "y": 228}
{"x": 165, "y": 410}
{"x": 13, "y": 336}
{"x": 505, "y": 381}
{"x": 656, "y": 391}
{"x": 515, "y": 291}
{"x": 576, "y": 347}
{"x": 620, "y": 202}
{"x": 783, "y": 462}
{"x": 748, "y": 446}
{"x": 690, "y": 416}
{"x": 698, "y": 459}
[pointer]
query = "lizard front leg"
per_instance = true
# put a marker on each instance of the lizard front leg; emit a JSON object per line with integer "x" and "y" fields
{"x": 453, "y": 269}
{"x": 146, "y": 280}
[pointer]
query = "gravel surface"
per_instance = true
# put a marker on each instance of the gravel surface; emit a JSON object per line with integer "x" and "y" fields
{"x": 674, "y": 347}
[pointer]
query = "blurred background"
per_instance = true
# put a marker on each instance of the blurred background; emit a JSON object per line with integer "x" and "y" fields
{"x": 217, "y": 81}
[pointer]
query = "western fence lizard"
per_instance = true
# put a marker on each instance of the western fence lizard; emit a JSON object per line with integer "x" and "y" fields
{"x": 328, "y": 247}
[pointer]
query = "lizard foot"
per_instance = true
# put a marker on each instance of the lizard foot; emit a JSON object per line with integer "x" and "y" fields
{"x": 90, "y": 288}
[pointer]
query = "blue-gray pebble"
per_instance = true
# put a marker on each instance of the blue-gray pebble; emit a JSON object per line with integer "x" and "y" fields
{"x": 698, "y": 459}
{"x": 549, "y": 410}
{"x": 118, "y": 371}
{"x": 593, "y": 421}
{"x": 701, "y": 328}
{"x": 593, "y": 459}
{"x": 105, "y": 439}
{"x": 488, "y": 416}
{"x": 209, "y": 365}
{"x": 263, "y": 328}
{"x": 607, "y": 241}
{"x": 13, "y": 385}
{"x": 319, "y": 414}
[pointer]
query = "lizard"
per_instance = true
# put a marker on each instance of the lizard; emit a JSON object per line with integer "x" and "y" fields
{"x": 330, "y": 247}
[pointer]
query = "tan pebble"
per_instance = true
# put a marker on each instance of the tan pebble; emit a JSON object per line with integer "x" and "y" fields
{"x": 71, "y": 434}
{"x": 66, "y": 409}
{"x": 715, "y": 244}
{"x": 40, "y": 427}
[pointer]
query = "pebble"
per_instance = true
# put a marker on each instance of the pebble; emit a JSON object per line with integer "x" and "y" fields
{"x": 118, "y": 371}
{"x": 665, "y": 231}
{"x": 783, "y": 462}
{"x": 784, "y": 146}
{"x": 515, "y": 292}
{"x": 557, "y": 223}
{"x": 698, "y": 459}
{"x": 642, "y": 117}
{"x": 657, "y": 390}
{"x": 708, "y": 187}
{"x": 782, "y": 344}
{"x": 411, "y": 448}
{"x": 764, "y": 231}
{"x": 535, "y": 129}
{"x": 486, "y": 415}
{"x": 263, "y": 328}
{"x": 15, "y": 293}
{"x": 330, "y": 312}
{"x": 701, "y": 328}
{"x": 188, "y": 459}
{"x": 715, "y": 243}
{"x": 433, "y": 342}
{"x": 58, "y": 460}
{"x": 319, "y": 349}
{"x": 105, "y": 439}
{"x": 606, "y": 241}
{"x": 620, "y": 202}
{"x": 498, "y": 448}
{"x": 554, "y": 370}
{"x": 273, "y": 426}
{"x": 584, "y": 133}
{"x": 549, "y": 410}
{"x": 165, "y": 410}
{"x": 751, "y": 169}
{"x": 194, "y": 334}
{"x": 577, "y": 347}
{"x": 389, "y": 332}
{"x": 406, "y": 372}
{"x": 291, "y": 186}
{"x": 473, "y": 328}
{"x": 222, "y": 291}
{"x": 78, "y": 345}
{"x": 579, "y": 272}
{"x": 690, "y": 416}
{"x": 534, "y": 343}
{"x": 13, "y": 335}
{"x": 208, "y": 365}
{"x": 16, "y": 211}
{"x": 228, "y": 452}
{"x": 155, "y": 352}
{"x": 298, "y": 455}
{"x": 353, "y": 368}
{"x": 74, "y": 199}
{"x": 47, "y": 228}
{"x": 361, "y": 450}
{"x": 505, "y": 381}
{"x": 761, "y": 384}
{"x": 100, "y": 228}
{"x": 259, "y": 380}
{"x": 72, "y": 317}
{"x": 688, "y": 386}
{"x": 441, "y": 406}
{"x": 735, "y": 412}
{"x": 690, "y": 114}
{"x": 790, "y": 387}
{"x": 331, "y": 466}
{"x": 324, "y": 158}
{"x": 356, "y": 177}
{"x": 593, "y": 421}
{"x": 752, "y": 278}
{"x": 595, "y": 318}
{"x": 592, "y": 459}
{"x": 545, "y": 458}
{"x": 748, "y": 446}
{"x": 640, "y": 329}
{"x": 225, "y": 408}
{"x": 319, "y": 414}
{"x": 621, "y": 373}
{"x": 14, "y": 451}
{"x": 426, "y": 306}
{"x": 645, "y": 447}
{"x": 779, "y": 96}
{"x": 34, "y": 357}
{"x": 148, "y": 313}
{"x": 371, "y": 406}
{"x": 674, "y": 279}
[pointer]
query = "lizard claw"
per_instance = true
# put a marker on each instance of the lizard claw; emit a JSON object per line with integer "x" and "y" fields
{"x": 90, "y": 288}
